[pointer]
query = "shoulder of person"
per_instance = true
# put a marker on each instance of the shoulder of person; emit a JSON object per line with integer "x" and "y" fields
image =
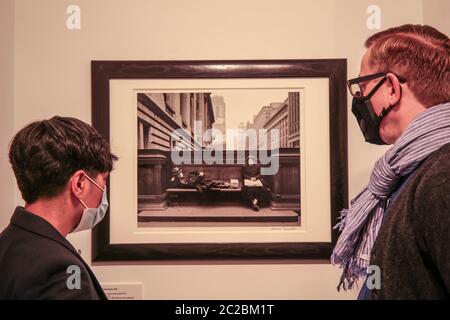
{"x": 434, "y": 172}
{"x": 430, "y": 212}
{"x": 430, "y": 192}
{"x": 32, "y": 244}
{"x": 41, "y": 267}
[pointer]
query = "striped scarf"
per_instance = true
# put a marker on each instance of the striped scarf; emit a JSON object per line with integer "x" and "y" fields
{"x": 359, "y": 224}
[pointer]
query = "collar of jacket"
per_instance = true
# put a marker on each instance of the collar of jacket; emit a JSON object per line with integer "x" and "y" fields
{"x": 37, "y": 225}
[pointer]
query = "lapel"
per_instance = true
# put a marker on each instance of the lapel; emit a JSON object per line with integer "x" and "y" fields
{"x": 37, "y": 225}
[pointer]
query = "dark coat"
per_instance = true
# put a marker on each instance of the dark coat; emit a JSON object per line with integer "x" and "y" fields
{"x": 253, "y": 171}
{"x": 34, "y": 258}
{"x": 412, "y": 245}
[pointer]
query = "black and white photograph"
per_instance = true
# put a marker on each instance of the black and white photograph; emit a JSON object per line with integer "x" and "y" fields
{"x": 223, "y": 157}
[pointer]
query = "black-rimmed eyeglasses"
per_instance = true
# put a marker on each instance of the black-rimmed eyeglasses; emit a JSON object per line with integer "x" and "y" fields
{"x": 356, "y": 86}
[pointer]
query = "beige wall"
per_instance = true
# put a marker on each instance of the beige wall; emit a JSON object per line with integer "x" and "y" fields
{"x": 6, "y": 107}
{"x": 52, "y": 76}
{"x": 437, "y": 14}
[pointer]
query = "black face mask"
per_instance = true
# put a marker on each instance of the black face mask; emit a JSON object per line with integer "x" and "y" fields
{"x": 368, "y": 120}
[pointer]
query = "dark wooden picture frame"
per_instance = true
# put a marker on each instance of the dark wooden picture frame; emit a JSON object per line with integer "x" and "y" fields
{"x": 333, "y": 69}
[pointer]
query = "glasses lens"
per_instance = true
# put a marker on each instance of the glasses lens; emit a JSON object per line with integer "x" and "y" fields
{"x": 355, "y": 90}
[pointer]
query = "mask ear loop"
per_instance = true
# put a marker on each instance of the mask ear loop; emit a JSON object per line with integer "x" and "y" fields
{"x": 85, "y": 206}
{"x": 90, "y": 179}
{"x": 94, "y": 182}
{"x": 385, "y": 111}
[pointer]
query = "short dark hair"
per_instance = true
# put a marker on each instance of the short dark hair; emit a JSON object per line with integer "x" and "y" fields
{"x": 45, "y": 154}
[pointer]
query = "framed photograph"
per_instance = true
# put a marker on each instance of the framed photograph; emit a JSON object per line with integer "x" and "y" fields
{"x": 221, "y": 159}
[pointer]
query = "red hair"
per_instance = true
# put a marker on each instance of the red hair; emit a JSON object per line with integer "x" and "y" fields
{"x": 420, "y": 54}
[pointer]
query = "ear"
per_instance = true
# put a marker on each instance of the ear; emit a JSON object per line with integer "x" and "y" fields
{"x": 395, "y": 89}
{"x": 78, "y": 183}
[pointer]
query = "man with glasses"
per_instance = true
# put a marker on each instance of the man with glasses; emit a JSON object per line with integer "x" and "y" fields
{"x": 61, "y": 167}
{"x": 400, "y": 221}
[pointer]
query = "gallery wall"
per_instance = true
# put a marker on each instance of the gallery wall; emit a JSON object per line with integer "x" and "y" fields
{"x": 436, "y": 13}
{"x": 46, "y": 72}
{"x": 7, "y": 183}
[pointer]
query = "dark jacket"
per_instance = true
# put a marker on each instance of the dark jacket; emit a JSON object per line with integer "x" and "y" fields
{"x": 253, "y": 171}
{"x": 412, "y": 247}
{"x": 34, "y": 261}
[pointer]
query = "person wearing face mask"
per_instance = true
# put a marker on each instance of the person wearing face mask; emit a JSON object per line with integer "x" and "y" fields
{"x": 253, "y": 190}
{"x": 61, "y": 166}
{"x": 400, "y": 221}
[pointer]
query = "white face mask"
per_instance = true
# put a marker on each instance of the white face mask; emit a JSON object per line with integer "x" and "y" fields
{"x": 92, "y": 216}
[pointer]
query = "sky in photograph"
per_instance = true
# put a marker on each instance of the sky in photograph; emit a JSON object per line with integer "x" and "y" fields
{"x": 242, "y": 104}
